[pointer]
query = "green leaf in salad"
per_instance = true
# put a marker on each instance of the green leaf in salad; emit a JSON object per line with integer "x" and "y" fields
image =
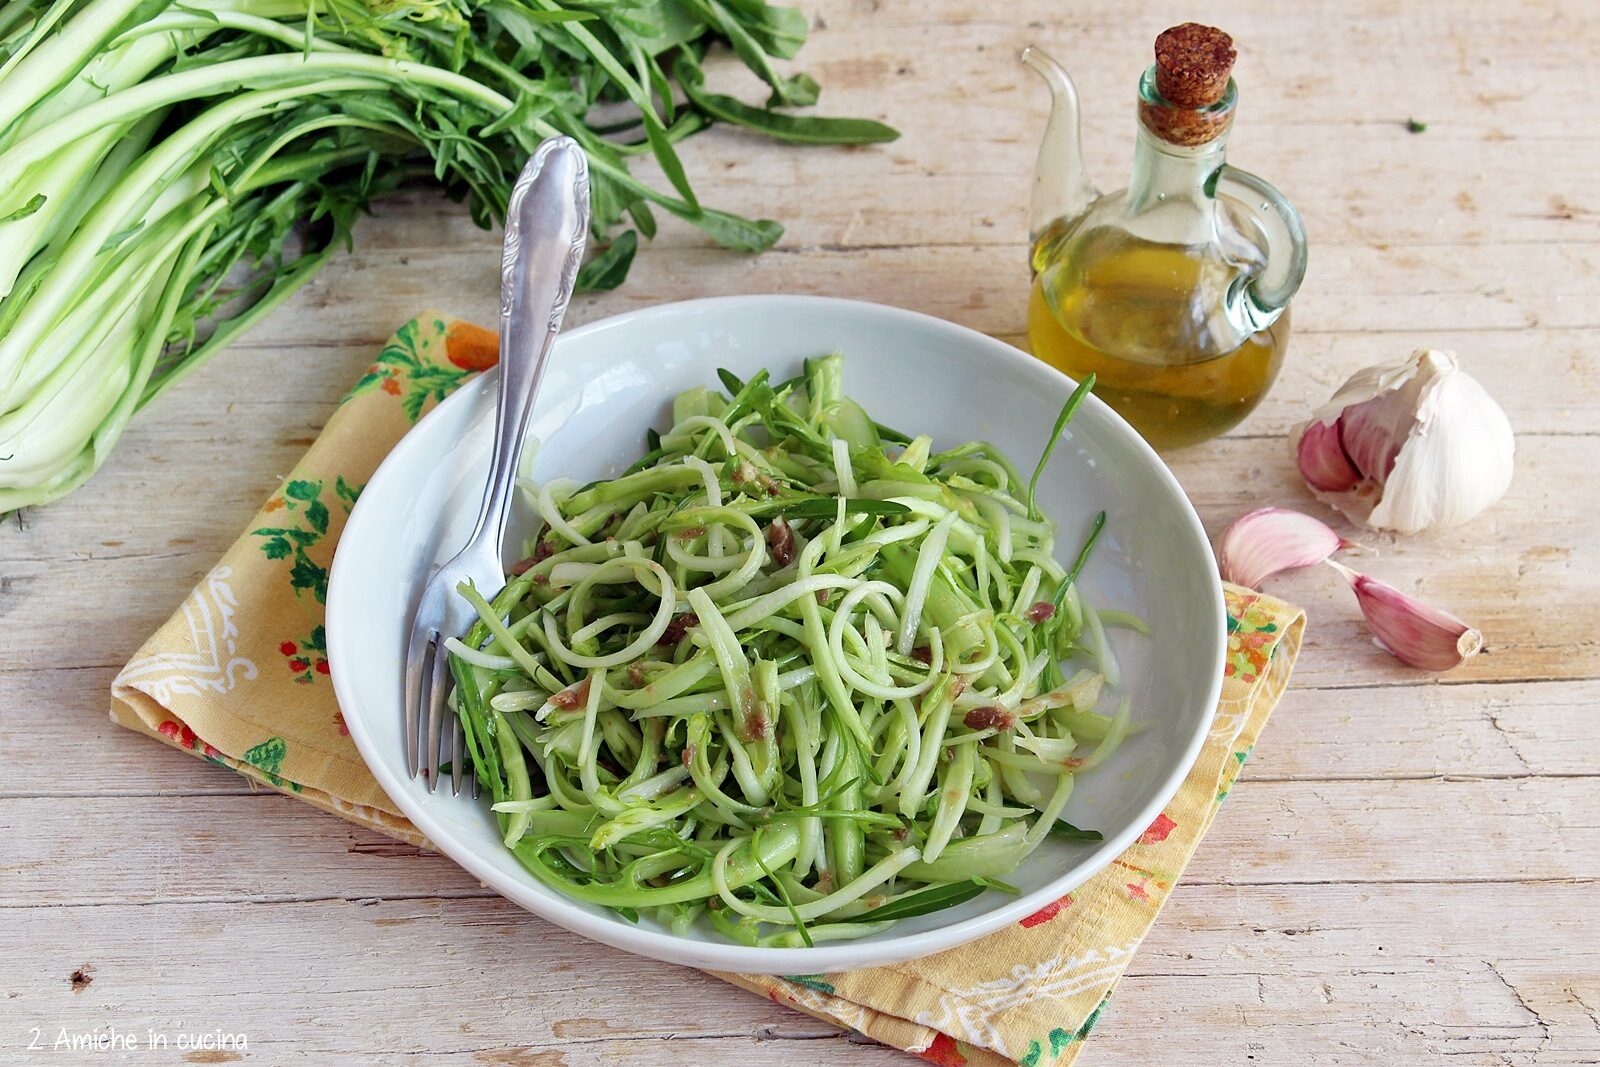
{"x": 1066, "y": 831}
{"x": 924, "y": 902}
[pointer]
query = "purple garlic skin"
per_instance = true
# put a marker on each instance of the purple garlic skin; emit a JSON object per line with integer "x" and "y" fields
{"x": 1269, "y": 541}
{"x": 1413, "y": 632}
{"x": 1414, "y": 447}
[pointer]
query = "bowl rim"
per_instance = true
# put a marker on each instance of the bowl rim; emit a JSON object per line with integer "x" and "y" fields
{"x": 550, "y": 905}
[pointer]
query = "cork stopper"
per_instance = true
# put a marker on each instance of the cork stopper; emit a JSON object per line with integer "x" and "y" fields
{"x": 1192, "y": 64}
{"x": 1191, "y": 77}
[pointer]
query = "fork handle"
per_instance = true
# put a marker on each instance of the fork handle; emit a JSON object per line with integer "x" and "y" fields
{"x": 547, "y": 221}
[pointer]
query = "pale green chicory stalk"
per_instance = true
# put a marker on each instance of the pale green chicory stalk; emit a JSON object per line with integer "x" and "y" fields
{"x": 169, "y": 173}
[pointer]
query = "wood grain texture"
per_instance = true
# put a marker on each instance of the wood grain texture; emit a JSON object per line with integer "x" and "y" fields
{"x": 1409, "y": 871}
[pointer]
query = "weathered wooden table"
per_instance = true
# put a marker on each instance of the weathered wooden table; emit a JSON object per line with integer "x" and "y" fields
{"x": 1408, "y": 872}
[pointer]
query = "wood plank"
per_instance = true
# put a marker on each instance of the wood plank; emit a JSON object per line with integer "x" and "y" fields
{"x": 1402, "y": 831}
{"x": 1468, "y": 730}
{"x": 213, "y": 848}
{"x": 456, "y": 982}
{"x": 65, "y": 711}
{"x": 1359, "y": 975}
{"x": 1313, "y": 974}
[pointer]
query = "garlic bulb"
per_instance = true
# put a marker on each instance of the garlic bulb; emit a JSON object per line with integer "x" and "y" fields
{"x": 1408, "y": 448}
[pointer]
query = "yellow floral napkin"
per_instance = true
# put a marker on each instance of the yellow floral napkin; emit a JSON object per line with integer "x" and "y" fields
{"x": 239, "y": 676}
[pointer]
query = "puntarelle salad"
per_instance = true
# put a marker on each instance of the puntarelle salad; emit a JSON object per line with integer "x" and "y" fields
{"x": 792, "y": 672}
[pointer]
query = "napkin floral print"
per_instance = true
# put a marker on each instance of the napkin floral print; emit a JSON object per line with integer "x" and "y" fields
{"x": 408, "y": 368}
{"x": 239, "y": 673}
{"x": 237, "y": 677}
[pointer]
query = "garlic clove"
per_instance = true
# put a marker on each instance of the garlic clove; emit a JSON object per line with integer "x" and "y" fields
{"x": 1372, "y": 433}
{"x": 1268, "y": 541}
{"x": 1408, "y": 448}
{"x": 1413, "y": 632}
{"x": 1322, "y": 461}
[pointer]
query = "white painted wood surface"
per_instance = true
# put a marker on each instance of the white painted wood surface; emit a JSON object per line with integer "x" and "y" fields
{"x": 1409, "y": 871}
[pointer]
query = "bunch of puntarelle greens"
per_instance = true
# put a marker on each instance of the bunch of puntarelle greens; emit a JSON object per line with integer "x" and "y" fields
{"x": 792, "y": 672}
{"x": 170, "y": 171}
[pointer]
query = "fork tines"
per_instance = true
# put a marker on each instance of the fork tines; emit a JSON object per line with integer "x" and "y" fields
{"x": 428, "y": 685}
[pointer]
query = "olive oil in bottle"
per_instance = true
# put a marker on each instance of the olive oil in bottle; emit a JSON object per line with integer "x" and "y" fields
{"x": 1142, "y": 317}
{"x": 1173, "y": 291}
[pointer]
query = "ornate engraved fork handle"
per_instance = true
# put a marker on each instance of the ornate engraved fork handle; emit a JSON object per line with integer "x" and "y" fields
{"x": 547, "y": 223}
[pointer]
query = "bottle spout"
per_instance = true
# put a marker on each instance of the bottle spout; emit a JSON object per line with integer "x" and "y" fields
{"x": 1061, "y": 185}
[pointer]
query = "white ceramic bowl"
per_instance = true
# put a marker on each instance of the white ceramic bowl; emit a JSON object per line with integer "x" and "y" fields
{"x": 610, "y": 380}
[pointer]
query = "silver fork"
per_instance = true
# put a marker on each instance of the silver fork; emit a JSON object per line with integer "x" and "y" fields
{"x": 546, "y": 223}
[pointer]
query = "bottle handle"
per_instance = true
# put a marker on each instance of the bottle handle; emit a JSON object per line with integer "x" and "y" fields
{"x": 1270, "y": 291}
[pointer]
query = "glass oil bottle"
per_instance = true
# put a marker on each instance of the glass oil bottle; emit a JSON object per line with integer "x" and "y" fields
{"x": 1174, "y": 291}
